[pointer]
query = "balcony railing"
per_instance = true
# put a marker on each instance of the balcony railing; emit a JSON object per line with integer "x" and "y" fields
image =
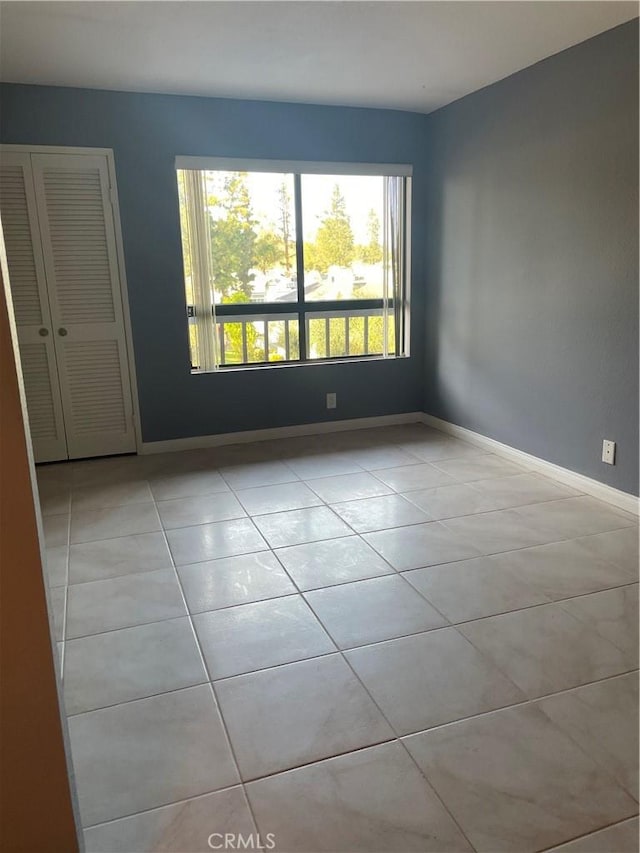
{"x": 257, "y": 338}
{"x": 261, "y": 338}
{"x": 353, "y": 332}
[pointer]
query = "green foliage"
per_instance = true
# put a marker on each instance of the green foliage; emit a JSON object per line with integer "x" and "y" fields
{"x": 334, "y": 241}
{"x": 268, "y": 251}
{"x": 337, "y": 337}
{"x": 372, "y": 252}
{"x": 255, "y": 342}
{"x": 294, "y": 341}
{"x": 310, "y": 255}
{"x": 233, "y": 239}
{"x": 288, "y": 242}
{"x": 238, "y": 246}
{"x": 233, "y": 352}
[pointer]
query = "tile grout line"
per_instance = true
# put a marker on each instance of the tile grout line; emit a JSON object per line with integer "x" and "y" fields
{"x": 299, "y": 591}
{"x": 363, "y": 686}
{"x": 585, "y": 622}
{"x": 339, "y": 584}
{"x": 63, "y": 655}
{"x": 514, "y": 705}
{"x": 588, "y": 834}
{"x": 551, "y": 601}
{"x": 337, "y": 650}
{"x": 489, "y": 658}
{"x": 493, "y": 553}
{"x": 361, "y": 533}
{"x": 440, "y": 521}
{"x": 398, "y": 738}
{"x": 216, "y": 700}
{"x": 272, "y": 550}
{"x": 161, "y": 806}
{"x": 373, "y": 746}
{"x": 437, "y": 795}
{"x": 377, "y": 706}
{"x": 526, "y": 701}
{"x": 389, "y": 723}
{"x": 474, "y": 485}
{"x": 583, "y": 749}
{"x": 402, "y": 572}
{"x": 196, "y": 639}
{"x": 65, "y": 606}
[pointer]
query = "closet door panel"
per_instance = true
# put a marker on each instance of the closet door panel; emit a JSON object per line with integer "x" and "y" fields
{"x": 31, "y": 307}
{"x": 79, "y": 248}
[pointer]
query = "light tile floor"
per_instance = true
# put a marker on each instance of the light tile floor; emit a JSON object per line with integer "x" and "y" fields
{"x": 383, "y": 640}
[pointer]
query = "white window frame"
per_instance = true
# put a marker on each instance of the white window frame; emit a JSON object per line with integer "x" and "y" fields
{"x": 302, "y": 308}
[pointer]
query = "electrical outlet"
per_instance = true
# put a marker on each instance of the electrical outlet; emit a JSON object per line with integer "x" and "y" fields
{"x": 609, "y": 452}
{"x": 332, "y": 401}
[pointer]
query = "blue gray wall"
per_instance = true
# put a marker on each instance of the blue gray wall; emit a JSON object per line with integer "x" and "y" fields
{"x": 146, "y": 132}
{"x": 531, "y": 317}
{"x": 525, "y": 252}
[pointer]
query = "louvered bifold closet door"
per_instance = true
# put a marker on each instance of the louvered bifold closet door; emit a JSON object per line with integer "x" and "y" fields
{"x": 79, "y": 249}
{"x": 31, "y": 307}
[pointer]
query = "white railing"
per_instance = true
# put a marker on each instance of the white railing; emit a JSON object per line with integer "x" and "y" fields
{"x": 344, "y": 338}
{"x": 276, "y": 335}
{"x": 261, "y": 338}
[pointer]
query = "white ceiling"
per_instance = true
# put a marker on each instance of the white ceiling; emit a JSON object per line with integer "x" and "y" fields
{"x": 402, "y": 55}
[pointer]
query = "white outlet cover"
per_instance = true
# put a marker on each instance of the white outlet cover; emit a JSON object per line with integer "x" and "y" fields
{"x": 331, "y": 401}
{"x": 609, "y": 452}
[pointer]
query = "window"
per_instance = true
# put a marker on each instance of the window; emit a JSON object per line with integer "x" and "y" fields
{"x": 293, "y": 262}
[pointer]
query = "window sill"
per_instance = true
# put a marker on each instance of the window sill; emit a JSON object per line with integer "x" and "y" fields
{"x": 238, "y": 368}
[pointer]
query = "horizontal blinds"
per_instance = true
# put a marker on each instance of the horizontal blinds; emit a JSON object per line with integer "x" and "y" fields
{"x": 230, "y": 164}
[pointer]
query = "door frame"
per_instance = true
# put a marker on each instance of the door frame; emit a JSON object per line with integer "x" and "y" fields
{"x": 35, "y": 729}
{"x": 117, "y": 225}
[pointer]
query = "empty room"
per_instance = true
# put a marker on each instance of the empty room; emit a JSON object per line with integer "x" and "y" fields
{"x": 319, "y": 442}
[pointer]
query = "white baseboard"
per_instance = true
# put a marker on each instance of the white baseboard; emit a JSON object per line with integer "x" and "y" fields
{"x": 246, "y": 436}
{"x": 623, "y": 500}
